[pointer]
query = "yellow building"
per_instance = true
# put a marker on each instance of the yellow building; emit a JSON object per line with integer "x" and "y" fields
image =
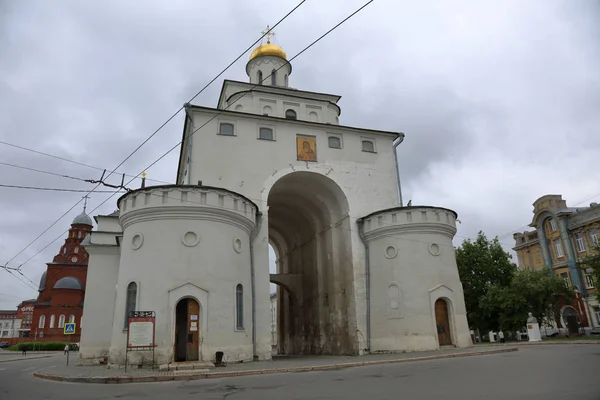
{"x": 563, "y": 236}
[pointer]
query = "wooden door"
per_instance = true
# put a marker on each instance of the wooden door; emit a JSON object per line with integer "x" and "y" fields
{"x": 442, "y": 323}
{"x": 193, "y": 330}
{"x": 572, "y": 324}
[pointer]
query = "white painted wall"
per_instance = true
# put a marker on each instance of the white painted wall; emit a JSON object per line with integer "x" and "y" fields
{"x": 412, "y": 249}
{"x": 99, "y": 302}
{"x": 188, "y": 250}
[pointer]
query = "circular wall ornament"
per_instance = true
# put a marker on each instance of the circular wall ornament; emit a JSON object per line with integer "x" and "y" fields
{"x": 391, "y": 252}
{"x": 190, "y": 239}
{"x": 137, "y": 240}
{"x": 435, "y": 249}
{"x": 237, "y": 245}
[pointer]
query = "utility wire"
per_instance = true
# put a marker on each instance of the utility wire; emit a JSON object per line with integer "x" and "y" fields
{"x": 41, "y": 171}
{"x": 157, "y": 130}
{"x": 306, "y": 48}
{"x": 66, "y": 159}
{"x": 53, "y": 189}
{"x": 258, "y": 84}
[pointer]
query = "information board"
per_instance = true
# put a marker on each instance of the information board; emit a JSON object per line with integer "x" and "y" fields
{"x": 140, "y": 332}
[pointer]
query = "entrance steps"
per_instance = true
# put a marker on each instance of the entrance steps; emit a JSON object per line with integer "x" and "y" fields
{"x": 196, "y": 366}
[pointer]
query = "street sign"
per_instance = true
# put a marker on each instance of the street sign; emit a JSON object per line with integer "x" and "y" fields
{"x": 69, "y": 328}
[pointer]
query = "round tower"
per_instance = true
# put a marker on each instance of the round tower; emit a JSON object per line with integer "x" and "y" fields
{"x": 268, "y": 64}
{"x": 415, "y": 289}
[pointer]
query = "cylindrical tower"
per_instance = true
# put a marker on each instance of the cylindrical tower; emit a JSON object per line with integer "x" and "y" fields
{"x": 416, "y": 297}
{"x": 185, "y": 255}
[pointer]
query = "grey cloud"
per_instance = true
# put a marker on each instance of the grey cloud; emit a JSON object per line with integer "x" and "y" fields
{"x": 487, "y": 93}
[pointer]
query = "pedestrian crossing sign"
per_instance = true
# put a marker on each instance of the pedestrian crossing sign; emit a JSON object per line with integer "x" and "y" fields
{"x": 70, "y": 328}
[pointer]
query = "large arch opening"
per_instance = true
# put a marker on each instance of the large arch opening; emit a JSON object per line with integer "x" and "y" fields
{"x": 310, "y": 233}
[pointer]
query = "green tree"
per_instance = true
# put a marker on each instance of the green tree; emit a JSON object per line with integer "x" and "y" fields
{"x": 593, "y": 261}
{"x": 482, "y": 265}
{"x": 537, "y": 292}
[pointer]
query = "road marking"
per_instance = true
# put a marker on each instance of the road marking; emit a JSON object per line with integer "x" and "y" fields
{"x": 2, "y": 369}
{"x": 27, "y": 369}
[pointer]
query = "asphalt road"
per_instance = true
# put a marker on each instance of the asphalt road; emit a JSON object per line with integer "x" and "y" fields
{"x": 533, "y": 372}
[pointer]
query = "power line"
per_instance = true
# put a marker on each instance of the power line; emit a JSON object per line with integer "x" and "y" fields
{"x": 156, "y": 131}
{"x": 259, "y": 83}
{"x": 41, "y": 171}
{"x": 53, "y": 189}
{"x": 65, "y": 159}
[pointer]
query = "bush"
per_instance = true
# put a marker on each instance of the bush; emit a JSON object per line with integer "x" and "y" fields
{"x": 42, "y": 346}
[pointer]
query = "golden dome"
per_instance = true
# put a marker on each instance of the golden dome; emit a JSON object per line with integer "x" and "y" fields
{"x": 268, "y": 49}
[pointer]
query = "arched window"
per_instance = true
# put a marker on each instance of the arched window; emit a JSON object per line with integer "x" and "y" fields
{"x": 265, "y": 133}
{"x": 334, "y": 142}
{"x": 130, "y": 300}
{"x": 274, "y": 78}
{"x": 368, "y": 146}
{"x": 239, "y": 307}
{"x": 226, "y": 129}
{"x": 61, "y": 321}
{"x": 290, "y": 114}
{"x": 42, "y": 321}
{"x": 71, "y": 318}
{"x": 259, "y": 77}
{"x": 52, "y": 319}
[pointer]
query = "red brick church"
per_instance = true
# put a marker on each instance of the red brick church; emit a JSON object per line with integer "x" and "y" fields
{"x": 62, "y": 287}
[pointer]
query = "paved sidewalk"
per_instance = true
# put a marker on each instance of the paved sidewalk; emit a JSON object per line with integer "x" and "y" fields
{"x": 102, "y": 374}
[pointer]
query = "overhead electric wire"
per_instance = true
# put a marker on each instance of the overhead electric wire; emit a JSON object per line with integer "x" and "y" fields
{"x": 258, "y": 84}
{"x": 65, "y": 159}
{"x": 157, "y": 130}
{"x": 53, "y": 189}
{"x": 42, "y": 172}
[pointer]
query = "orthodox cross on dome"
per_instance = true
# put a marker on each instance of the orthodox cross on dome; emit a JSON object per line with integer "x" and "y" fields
{"x": 85, "y": 199}
{"x": 268, "y": 33}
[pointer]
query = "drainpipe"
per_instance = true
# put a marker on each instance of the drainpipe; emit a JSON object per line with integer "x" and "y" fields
{"x": 253, "y": 235}
{"x": 396, "y": 144}
{"x": 360, "y": 223}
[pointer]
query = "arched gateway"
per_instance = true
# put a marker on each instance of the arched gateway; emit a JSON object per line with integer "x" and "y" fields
{"x": 356, "y": 271}
{"x": 310, "y": 228}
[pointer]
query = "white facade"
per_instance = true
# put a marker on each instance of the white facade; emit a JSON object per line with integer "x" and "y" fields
{"x": 10, "y": 328}
{"x": 272, "y": 165}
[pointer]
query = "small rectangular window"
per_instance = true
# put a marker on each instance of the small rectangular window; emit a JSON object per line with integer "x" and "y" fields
{"x": 589, "y": 281}
{"x": 559, "y": 249}
{"x": 368, "y": 146}
{"x": 553, "y": 226}
{"x": 226, "y": 129}
{"x": 594, "y": 236}
{"x": 265, "y": 134}
{"x": 579, "y": 241}
{"x": 334, "y": 142}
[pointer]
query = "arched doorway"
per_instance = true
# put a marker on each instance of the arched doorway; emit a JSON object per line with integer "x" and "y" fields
{"x": 187, "y": 330}
{"x": 571, "y": 320}
{"x": 442, "y": 323}
{"x": 310, "y": 230}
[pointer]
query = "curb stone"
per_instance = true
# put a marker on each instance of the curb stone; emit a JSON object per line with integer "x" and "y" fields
{"x": 229, "y": 374}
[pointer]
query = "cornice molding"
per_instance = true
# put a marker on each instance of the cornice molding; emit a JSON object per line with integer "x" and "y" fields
{"x": 206, "y": 213}
{"x": 419, "y": 228}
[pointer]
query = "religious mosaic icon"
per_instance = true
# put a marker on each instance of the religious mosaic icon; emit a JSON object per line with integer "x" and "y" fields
{"x": 306, "y": 147}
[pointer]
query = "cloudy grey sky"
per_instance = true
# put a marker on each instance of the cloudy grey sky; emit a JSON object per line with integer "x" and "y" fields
{"x": 499, "y": 100}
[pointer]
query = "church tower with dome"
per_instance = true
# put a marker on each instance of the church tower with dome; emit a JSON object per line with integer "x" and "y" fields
{"x": 62, "y": 286}
{"x": 357, "y": 272}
